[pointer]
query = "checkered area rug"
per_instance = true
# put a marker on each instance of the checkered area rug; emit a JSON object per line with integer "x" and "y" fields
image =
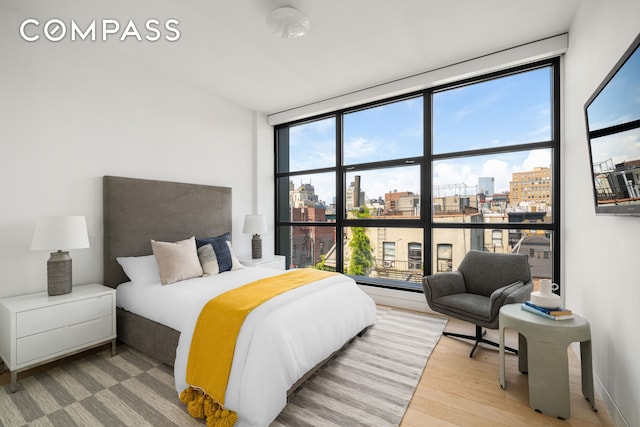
{"x": 125, "y": 390}
{"x": 369, "y": 383}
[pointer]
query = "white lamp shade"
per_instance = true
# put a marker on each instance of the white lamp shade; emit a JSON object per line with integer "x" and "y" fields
{"x": 60, "y": 233}
{"x": 254, "y": 224}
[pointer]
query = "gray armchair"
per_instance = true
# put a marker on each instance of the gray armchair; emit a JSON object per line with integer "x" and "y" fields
{"x": 483, "y": 283}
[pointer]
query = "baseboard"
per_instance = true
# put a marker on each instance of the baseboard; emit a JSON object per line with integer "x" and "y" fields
{"x": 611, "y": 407}
{"x": 413, "y": 301}
{"x": 603, "y": 394}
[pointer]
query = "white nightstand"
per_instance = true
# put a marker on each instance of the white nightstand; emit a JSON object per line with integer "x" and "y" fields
{"x": 277, "y": 262}
{"x": 38, "y": 328}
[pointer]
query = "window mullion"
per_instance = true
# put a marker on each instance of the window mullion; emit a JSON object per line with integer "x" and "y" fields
{"x": 340, "y": 197}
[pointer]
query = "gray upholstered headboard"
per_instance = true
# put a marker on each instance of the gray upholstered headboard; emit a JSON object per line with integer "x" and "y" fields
{"x": 138, "y": 210}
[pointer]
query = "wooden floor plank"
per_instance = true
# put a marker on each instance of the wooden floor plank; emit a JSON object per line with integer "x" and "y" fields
{"x": 456, "y": 390}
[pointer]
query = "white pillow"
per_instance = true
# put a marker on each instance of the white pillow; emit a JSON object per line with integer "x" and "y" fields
{"x": 235, "y": 262}
{"x": 141, "y": 270}
{"x": 177, "y": 260}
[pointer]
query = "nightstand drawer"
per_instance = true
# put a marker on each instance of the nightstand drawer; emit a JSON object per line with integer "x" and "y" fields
{"x": 63, "y": 339}
{"x": 60, "y": 315}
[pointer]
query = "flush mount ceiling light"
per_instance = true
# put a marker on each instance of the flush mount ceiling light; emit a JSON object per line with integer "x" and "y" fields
{"x": 288, "y": 22}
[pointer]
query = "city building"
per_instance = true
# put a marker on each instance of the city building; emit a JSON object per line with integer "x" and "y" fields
{"x": 354, "y": 195}
{"x": 401, "y": 203}
{"x": 486, "y": 185}
{"x": 309, "y": 243}
{"x": 531, "y": 188}
{"x": 302, "y": 196}
{"x": 619, "y": 182}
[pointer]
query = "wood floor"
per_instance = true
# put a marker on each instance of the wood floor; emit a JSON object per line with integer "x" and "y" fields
{"x": 456, "y": 390}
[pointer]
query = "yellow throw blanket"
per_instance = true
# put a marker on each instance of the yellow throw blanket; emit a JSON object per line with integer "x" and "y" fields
{"x": 214, "y": 340}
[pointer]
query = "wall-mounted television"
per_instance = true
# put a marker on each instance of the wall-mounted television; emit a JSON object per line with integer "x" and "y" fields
{"x": 613, "y": 131}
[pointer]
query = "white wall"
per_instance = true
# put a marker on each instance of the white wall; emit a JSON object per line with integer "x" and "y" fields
{"x": 71, "y": 113}
{"x": 600, "y": 253}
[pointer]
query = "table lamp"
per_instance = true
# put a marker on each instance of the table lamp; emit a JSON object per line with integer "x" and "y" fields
{"x": 60, "y": 233}
{"x": 255, "y": 224}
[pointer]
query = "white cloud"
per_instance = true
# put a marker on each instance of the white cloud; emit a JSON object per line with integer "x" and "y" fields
{"x": 618, "y": 147}
{"x": 454, "y": 178}
{"x": 377, "y": 183}
{"x": 307, "y": 155}
{"x": 359, "y": 148}
{"x": 542, "y": 132}
{"x": 499, "y": 170}
{"x": 481, "y": 104}
{"x": 450, "y": 177}
{"x": 537, "y": 159}
{"x": 318, "y": 127}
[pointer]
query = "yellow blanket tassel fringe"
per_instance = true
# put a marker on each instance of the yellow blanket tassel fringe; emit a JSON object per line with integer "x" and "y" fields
{"x": 201, "y": 406}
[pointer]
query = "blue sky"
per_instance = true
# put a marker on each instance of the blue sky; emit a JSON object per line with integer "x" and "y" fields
{"x": 618, "y": 102}
{"x": 386, "y": 132}
{"x": 503, "y": 112}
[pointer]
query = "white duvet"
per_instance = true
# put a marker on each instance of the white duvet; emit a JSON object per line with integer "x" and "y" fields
{"x": 280, "y": 340}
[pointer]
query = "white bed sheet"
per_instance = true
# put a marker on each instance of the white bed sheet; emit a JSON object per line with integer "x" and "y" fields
{"x": 280, "y": 340}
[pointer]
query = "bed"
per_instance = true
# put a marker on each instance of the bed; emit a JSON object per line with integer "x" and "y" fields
{"x": 281, "y": 342}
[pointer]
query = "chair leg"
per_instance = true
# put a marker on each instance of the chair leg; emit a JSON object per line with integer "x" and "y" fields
{"x": 478, "y": 338}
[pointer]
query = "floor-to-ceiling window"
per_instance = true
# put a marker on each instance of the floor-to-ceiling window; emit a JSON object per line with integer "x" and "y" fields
{"x": 389, "y": 191}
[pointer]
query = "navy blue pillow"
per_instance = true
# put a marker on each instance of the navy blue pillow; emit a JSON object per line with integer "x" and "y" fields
{"x": 221, "y": 248}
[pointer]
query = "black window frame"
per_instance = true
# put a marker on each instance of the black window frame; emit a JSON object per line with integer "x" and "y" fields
{"x": 425, "y": 221}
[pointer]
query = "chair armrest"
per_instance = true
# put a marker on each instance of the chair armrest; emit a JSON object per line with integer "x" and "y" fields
{"x": 513, "y": 293}
{"x": 442, "y": 284}
{"x": 520, "y": 293}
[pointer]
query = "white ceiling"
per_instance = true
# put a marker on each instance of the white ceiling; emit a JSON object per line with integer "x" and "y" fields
{"x": 353, "y": 44}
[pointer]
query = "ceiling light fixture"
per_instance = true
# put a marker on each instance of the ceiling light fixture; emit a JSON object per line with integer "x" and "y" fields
{"x": 288, "y": 22}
